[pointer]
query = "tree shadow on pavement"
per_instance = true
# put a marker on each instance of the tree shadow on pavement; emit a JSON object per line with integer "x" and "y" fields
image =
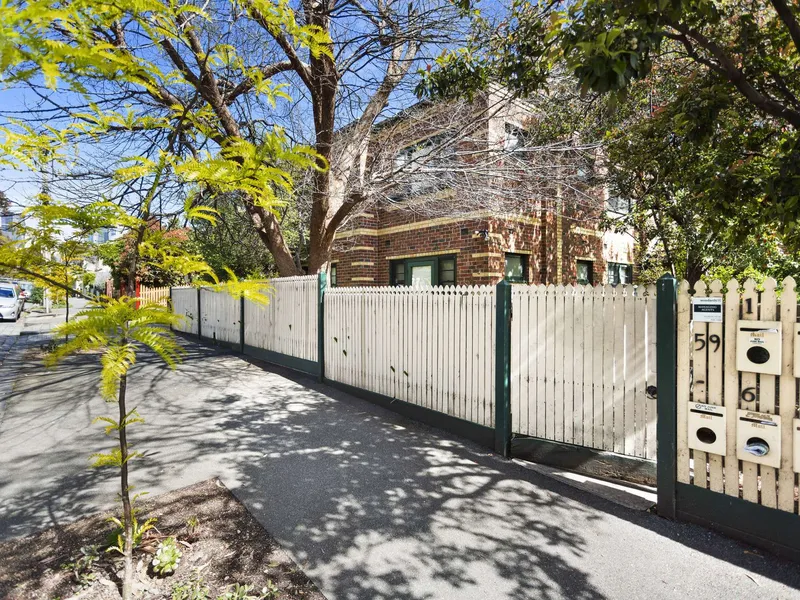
{"x": 371, "y": 505}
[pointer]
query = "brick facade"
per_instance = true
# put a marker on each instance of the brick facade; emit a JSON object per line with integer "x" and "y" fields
{"x": 553, "y": 235}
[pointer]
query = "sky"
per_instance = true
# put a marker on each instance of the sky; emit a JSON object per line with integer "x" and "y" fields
{"x": 20, "y": 186}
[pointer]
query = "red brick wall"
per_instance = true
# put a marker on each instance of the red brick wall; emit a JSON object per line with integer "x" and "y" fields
{"x": 363, "y": 259}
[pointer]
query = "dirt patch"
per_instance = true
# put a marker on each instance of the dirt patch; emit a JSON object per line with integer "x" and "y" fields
{"x": 221, "y": 544}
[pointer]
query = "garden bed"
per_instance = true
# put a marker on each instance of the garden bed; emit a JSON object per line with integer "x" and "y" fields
{"x": 221, "y": 545}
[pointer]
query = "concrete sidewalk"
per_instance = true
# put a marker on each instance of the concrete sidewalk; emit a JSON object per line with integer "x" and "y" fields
{"x": 370, "y": 504}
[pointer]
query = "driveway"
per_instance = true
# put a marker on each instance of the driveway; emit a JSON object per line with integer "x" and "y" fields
{"x": 370, "y": 504}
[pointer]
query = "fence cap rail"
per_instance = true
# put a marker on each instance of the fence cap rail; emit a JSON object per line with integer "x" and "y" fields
{"x": 439, "y": 290}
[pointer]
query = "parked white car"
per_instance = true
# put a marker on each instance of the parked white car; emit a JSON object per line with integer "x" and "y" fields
{"x": 11, "y": 302}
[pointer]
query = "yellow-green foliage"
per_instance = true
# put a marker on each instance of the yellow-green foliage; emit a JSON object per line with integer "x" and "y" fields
{"x": 116, "y": 327}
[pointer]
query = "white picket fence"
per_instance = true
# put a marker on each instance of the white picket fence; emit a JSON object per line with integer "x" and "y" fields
{"x": 288, "y": 324}
{"x": 433, "y": 347}
{"x": 582, "y": 359}
{"x": 154, "y": 295}
{"x": 220, "y": 315}
{"x": 708, "y": 374}
{"x": 184, "y": 303}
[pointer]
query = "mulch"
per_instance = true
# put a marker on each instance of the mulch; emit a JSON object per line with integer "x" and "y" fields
{"x": 227, "y": 546}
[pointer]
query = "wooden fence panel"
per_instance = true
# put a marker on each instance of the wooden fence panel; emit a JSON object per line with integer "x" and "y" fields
{"x": 699, "y": 382}
{"x": 591, "y": 353}
{"x": 219, "y": 314}
{"x": 749, "y": 380}
{"x": 710, "y": 372}
{"x": 288, "y": 323}
{"x": 787, "y": 390}
{"x": 184, "y": 302}
{"x": 154, "y": 295}
{"x": 714, "y": 386}
{"x": 428, "y": 346}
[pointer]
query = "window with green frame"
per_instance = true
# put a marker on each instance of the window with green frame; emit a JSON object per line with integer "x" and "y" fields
{"x": 428, "y": 270}
{"x": 585, "y": 272}
{"x": 516, "y": 270}
{"x": 332, "y": 281}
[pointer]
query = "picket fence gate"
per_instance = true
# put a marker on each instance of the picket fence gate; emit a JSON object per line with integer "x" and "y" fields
{"x": 582, "y": 362}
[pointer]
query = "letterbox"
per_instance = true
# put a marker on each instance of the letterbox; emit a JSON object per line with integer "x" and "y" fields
{"x": 796, "y": 439}
{"x": 758, "y": 347}
{"x": 797, "y": 350}
{"x": 707, "y": 428}
{"x": 758, "y": 438}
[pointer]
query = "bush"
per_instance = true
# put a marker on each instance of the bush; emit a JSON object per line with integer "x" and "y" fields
{"x": 37, "y": 295}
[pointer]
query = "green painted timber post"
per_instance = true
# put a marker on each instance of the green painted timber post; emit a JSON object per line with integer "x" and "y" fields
{"x": 666, "y": 395}
{"x": 241, "y": 322}
{"x": 199, "y": 315}
{"x": 171, "y": 307}
{"x": 322, "y": 283}
{"x": 502, "y": 393}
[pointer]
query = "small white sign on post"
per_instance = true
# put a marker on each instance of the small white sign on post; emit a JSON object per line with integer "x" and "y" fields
{"x": 707, "y": 310}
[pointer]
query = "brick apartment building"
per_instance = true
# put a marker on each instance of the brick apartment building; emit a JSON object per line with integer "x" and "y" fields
{"x": 459, "y": 236}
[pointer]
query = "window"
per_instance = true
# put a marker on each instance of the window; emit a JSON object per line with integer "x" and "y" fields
{"x": 6, "y": 293}
{"x": 516, "y": 268}
{"x": 617, "y": 273}
{"x": 420, "y": 166}
{"x": 398, "y": 273}
{"x": 447, "y": 271}
{"x": 425, "y": 271}
{"x": 516, "y": 138}
{"x": 333, "y": 280}
{"x": 585, "y": 272}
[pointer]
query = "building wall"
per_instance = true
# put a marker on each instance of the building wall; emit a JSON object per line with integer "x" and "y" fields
{"x": 552, "y": 236}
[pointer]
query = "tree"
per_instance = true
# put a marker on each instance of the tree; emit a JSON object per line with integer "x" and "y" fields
{"x": 232, "y": 243}
{"x": 753, "y": 48}
{"x": 697, "y": 149}
{"x": 81, "y": 44}
{"x": 216, "y": 92}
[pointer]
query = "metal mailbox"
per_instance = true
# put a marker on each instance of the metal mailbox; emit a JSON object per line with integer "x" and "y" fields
{"x": 758, "y": 347}
{"x": 707, "y": 428}
{"x": 758, "y": 438}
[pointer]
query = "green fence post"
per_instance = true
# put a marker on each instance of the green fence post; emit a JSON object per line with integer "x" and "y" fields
{"x": 171, "y": 307}
{"x": 502, "y": 393}
{"x": 666, "y": 368}
{"x": 322, "y": 282}
{"x": 199, "y": 315}
{"x": 241, "y": 322}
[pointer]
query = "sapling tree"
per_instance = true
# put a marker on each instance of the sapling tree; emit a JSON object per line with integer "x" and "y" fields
{"x": 72, "y": 48}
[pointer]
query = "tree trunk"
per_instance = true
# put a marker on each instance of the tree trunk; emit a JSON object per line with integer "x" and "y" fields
{"x": 127, "y": 509}
{"x": 269, "y": 230}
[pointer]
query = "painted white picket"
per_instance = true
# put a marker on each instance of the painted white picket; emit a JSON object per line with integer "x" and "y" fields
{"x": 154, "y": 295}
{"x": 287, "y": 324}
{"x": 582, "y": 361}
{"x": 707, "y": 372}
{"x": 219, "y": 314}
{"x": 433, "y": 347}
{"x": 184, "y": 303}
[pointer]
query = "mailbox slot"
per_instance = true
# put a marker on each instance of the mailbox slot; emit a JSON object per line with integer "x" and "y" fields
{"x": 758, "y": 347}
{"x": 758, "y": 438}
{"x": 707, "y": 428}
